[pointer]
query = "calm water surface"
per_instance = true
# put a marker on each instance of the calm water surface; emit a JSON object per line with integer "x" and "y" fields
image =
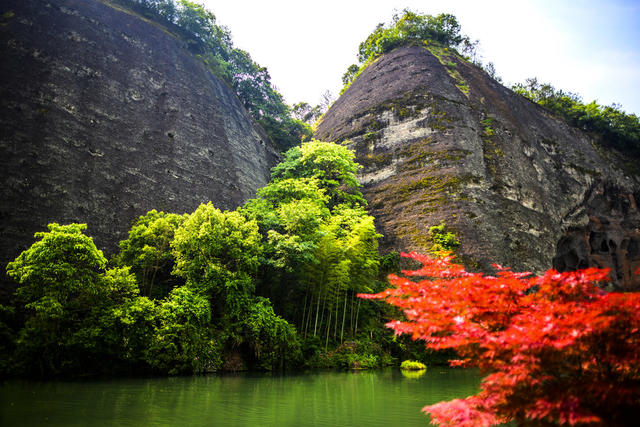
{"x": 369, "y": 398}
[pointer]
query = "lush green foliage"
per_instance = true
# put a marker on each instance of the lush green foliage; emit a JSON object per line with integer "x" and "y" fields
{"x": 412, "y": 365}
{"x": 272, "y": 339}
{"x": 217, "y": 253}
{"x": 197, "y": 26}
{"x": 147, "y": 251}
{"x": 350, "y": 75}
{"x": 361, "y": 354}
{"x": 184, "y": 341}
{"x": 66, "y": 296}
{"x": 557, "y": 349}
{"x": 306, "y": 113}
{"x": 443, "y": 239}
{"x": 411, "y": 27}
{"x": 614, "y": 127}
{"x": 331, "y": 164}
{"x": 320, "y": 246}
{"x": 217, "y": 286}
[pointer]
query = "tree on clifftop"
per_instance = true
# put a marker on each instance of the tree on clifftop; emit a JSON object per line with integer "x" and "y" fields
{"x": 405, "y": 29}
{"x": 411, "y": 27}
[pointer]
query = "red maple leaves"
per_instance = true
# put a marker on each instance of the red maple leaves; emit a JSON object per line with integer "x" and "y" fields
{"x": 555, "y": 348}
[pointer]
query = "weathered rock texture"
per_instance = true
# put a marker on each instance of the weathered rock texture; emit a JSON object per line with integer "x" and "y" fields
{"x": 441, "y": 141}
{"x": 104, "y": 116}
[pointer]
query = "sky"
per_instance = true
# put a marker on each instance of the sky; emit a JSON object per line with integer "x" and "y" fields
{"x": 589, "y": 47}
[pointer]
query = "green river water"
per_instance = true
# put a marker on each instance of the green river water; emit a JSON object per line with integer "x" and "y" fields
{"x": 325, "y": 398}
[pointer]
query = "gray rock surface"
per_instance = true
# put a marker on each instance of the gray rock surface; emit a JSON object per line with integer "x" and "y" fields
{"x": 441, "y": 141}
{"x": 104, "y": 116}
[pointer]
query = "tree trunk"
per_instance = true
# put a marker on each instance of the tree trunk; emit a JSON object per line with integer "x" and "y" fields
{"x": 326, "y": 343}
{"x": 318, "y": 305}
{"x": 344, "y": 312}
{"x": 306, "y": 328}
{"x": 315, "y": 325}
{"x": 352, "y": 312}
{"x": 304, "y": 310}
{"x": 357, "y": 313}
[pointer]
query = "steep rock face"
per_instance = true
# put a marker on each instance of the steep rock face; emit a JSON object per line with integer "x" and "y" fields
{"x": 441, "y": 141}
{"x": 104, "y": 116}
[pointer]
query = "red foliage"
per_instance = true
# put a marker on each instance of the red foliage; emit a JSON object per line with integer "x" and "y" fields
{"x": 554, "y": 348}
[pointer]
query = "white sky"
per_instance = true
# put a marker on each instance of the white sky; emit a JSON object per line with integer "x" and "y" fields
{"x": 590, "y": 47}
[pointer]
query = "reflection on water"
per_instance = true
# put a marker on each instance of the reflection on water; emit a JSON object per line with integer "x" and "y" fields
{"x": 364, "y": 398}
{"x": 413, "y": 374}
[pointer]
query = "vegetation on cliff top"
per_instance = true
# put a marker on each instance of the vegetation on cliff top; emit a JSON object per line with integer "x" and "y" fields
{"x": 406, "y": 29}
{"x": 410, "y": 27}
{"x": 212, "y": 43}
{"x": 613, "y": 127}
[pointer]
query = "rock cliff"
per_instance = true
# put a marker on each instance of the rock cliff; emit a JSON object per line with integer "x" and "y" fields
{"x": 104, "y": 116}
{"x": 439, "y": 140}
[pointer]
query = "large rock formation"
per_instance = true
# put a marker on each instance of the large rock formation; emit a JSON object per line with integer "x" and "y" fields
{"x": 104, "y": 116}
{"x": 441, "y": 141}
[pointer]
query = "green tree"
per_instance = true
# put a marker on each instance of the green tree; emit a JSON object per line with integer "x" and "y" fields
{"x": 411, "y": 27}
{"x": 184, "y": 341}
{"x": 286, "y": 132}
{"x": 147, "y": 250}
{"x": 290, "y": 213}
{"x": 350, "y": 74}
{"x": 306, "y": 113}
{"x": 331, "y": 164}
{"x": 320, "y": 244}
{"x": 347, "y": 262}
{"x": 64, "y": 290}
{"x": 125, "y": 330}
{"x": 217, "y": 254}
{"x": 443, "y": 240}
{"x": 272, "y": 340}
{"x": 116, "y": 331}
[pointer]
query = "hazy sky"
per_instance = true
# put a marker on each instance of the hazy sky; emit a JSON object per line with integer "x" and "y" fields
{"x": 589, "y": 47}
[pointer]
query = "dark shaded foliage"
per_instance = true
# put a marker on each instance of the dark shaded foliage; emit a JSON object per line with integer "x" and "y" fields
{"x": 613, "y": 127}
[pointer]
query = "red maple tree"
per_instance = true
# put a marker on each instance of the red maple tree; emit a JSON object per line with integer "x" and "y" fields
{"x": 555, "y": 348}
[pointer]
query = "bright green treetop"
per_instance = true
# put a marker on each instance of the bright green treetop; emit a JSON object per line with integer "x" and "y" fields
{"x": 68, "y": 296}
{"x": 331, "y": 164}
{"x": 148, "y": 251}
{"x": 217, "y": 253}
{"x": 64, "y": 262}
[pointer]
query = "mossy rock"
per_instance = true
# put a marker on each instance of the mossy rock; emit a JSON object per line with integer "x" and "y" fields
{"x": 412, "y": 365}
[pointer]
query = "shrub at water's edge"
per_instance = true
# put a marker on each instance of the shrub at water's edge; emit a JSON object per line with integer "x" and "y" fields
{"x": 412, "y": 365}
{"x": 556, "y": 348}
